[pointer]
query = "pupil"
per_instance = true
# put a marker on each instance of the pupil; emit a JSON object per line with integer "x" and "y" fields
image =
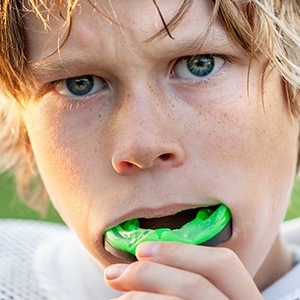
{"x": 80, "y": 86}
{"x": 202, "y": 65}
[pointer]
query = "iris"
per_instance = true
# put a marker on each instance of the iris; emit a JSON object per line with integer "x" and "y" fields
{"x": 201, "y": 65}
{"x": 80, "y": 86}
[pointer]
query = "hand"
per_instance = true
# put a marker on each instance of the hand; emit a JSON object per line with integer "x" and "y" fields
{"x": 179, "y": 271}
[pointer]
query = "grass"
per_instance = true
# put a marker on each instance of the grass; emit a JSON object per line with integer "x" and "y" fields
{"x": 294, "y": 207}
{"x": 11, "y": 207}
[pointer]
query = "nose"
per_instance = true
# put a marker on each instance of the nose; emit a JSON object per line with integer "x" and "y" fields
{"x": 143, "y": 153}
{"x": 146, "y": 139}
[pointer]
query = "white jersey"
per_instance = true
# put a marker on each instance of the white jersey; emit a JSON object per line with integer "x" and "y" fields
{"x": 288, "y": 286}
{"x": 45, "y": 261}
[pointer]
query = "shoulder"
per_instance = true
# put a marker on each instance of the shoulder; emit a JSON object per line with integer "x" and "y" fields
{"x": 19, "y": 243}
{"x": 291, "y": 231}
{"x": 288, "y": 287}
{"x": 40, "y": 260}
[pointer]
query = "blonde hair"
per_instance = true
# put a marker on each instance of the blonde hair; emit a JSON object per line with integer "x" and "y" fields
{"x": 267, "y": 27}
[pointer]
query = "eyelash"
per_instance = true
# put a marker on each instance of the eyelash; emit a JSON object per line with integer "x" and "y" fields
{"x": 79, "y": 100}
{"x": 62, "y": 101}
{"x": 198, "y": 79}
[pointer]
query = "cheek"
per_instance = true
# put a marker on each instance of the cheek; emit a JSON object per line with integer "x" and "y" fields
{"x": 261, "y": 197}
{"x": 245, "y": 153}
{"x": 67, "y": 150}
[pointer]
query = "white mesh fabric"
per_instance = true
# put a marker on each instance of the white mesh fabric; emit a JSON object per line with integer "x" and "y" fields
{"x": 45, "y": 261}
{"x": 19, "y": 242}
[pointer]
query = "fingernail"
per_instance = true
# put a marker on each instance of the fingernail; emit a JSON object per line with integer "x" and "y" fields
{"x": 114, "y": 271}
{"x": 147, "y": 249}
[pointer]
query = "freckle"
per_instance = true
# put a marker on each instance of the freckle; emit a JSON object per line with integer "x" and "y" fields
{"x": 150, "y": 87}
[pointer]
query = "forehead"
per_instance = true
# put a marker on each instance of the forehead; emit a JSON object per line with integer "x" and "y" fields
{"x": 128, "y": 19}
{"x": 113, "y": 27}
{"x": 117, "y": 12}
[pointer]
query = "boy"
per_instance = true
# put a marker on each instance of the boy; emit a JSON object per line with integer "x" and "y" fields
{"x": 127, "y": 118}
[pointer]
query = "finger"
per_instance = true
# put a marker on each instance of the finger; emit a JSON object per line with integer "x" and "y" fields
{"x": 220, "y": 266}
{"x": 156, "y": 278}
{"x": 145, "y": 296}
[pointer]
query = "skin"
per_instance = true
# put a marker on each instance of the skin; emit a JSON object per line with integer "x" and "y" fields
{"x": 152, "y": 141}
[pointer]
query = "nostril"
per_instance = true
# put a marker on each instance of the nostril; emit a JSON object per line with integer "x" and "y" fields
{"x": 165, "y": 156}
{"x": 125, "y": 164}
{"x": 135, "y": 157}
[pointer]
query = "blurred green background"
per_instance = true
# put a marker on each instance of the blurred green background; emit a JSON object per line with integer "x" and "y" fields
{"x": 11, "y": 207}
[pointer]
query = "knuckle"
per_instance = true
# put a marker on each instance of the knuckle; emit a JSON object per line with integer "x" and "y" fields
{"x": 228, "y": 257}
{"x": 142, "y": 267}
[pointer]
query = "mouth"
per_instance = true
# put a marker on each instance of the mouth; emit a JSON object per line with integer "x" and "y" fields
{"x": 207, "y": 226}
{"x": 175, "y": 221}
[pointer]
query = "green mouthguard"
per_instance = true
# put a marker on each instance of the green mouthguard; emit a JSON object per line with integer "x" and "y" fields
{"x": 208, "y": 223}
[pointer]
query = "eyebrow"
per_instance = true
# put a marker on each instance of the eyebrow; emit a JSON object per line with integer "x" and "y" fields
{"x": 60, "y": 61}
{"x": 64, "y": 61}
{"x": 215, "y": 38}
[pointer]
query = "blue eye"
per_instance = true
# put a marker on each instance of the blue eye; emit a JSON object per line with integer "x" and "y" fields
{"x": 80, "y": 86}
{"x": 197, "y": 67}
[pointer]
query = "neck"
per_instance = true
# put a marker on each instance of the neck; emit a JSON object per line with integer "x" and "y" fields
{"x": 278, "y": 262}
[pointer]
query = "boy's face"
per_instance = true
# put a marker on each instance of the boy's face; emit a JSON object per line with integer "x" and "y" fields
{"x": 154, "y": 133}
